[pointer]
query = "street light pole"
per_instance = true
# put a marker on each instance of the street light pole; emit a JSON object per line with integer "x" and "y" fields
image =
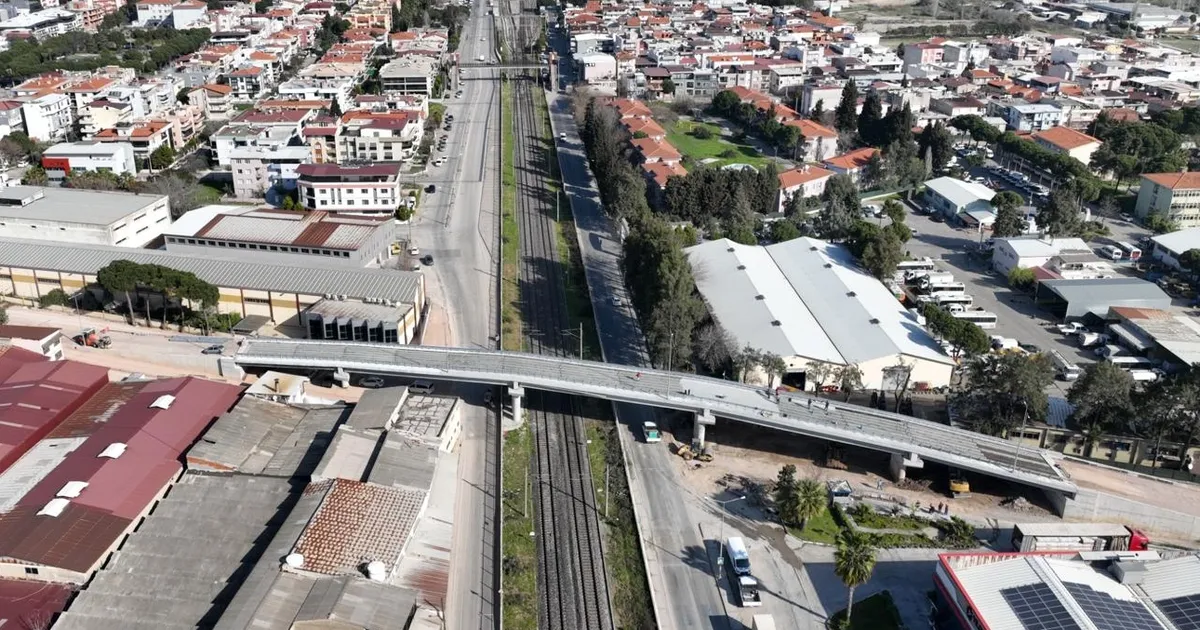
{"x": 721, "y": 538}
{"x": 1021, "y": 437}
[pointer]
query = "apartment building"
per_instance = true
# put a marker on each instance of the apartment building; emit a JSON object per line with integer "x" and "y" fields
{"x": 189, "y": 14}
{"x": 340, "y": 89}
{"x": 367, "y": 136}
{"x": 1022, "y": 116}
{"x": 64, "y": 158}
{"x": 102, "y": 113}
{"x": 371, "y": 189}
{"x": 10, "y": 117}
{"x": 153, "y": 12}
{"x": 248, "y": 84}
{"x": 41, "y": 24}
{"x": 1174, "y": 195}
{"x": 409, "y": 74}
{"x": 258, "y": 169}
{"x": 144, "y": 136}
{"x": 47, "y": 117}
{"x": 214, "y": 98}
{"x": 1067, "y": 141}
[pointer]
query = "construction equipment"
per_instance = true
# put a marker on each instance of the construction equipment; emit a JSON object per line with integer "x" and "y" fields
{"x": 693, "y": 451}
{"x": 92, "y": 339}
{"x": 959, "y": 486}
{"x": 833, "y": 458}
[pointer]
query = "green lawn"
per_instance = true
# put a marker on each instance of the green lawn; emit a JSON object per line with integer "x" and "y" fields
{"x": 822, "y": 529}
{"x": 510, "y": 247}
{"x": 519, "y": 577}
{"x": 679, "y": 135}
{"x": 877, "y": 612}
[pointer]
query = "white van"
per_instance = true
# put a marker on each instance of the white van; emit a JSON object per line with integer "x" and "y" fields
{"x": 421, "y": 387}
{"x": 739, "y": 557}
{"x": 1112, "y": 251}
{"x": 1067, "y": 371}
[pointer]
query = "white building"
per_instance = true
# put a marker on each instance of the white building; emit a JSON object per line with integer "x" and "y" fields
{"x": 953, "y": 197}
{"x": 42, "y": 24}
{"x": 810, "y": 302}
{"x": 42, "y": 340}
{"x": 153, "y": 11}
{"x": 313, "y": 89}
{"x": 257, "y": 169}
{"x": 1169, "y": 247}
{"x": 371, "y": 189}
{"x": 409, "y": 74}
{"x": 189, "y": 14}
{"x": 47, "y": 117}
{"x": 63, "y": 158}
{"x": 65, "y": 215}
{"x": 599, "y": 69}
{"x": 1010, "y": 253}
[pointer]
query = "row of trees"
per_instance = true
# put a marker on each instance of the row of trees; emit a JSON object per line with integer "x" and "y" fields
{"x": 1133, "y": 148}
{"x": 183, "y": 190}
{"x": 881, "y": 248}
{"x": 144, "y": 50}
{"x": 656, "y": 270}
{"x": 123, "y": 277}
{"x": 967, "y": 338}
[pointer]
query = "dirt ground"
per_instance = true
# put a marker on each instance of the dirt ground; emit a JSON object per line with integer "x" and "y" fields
{"x": 758, "y": 454}
{"x": 1181, "y": 497}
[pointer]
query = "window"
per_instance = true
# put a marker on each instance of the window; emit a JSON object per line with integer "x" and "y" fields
{"x": 254, "y": 300}
{"x": 31, "y": 571}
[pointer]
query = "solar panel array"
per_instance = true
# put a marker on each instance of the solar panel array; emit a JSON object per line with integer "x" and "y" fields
{"x": 1038, "y": 608}
{"x": 1109, "y": 613}
{"x": 1183, "y": 611}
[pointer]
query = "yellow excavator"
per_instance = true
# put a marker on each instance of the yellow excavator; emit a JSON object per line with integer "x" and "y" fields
{"x": 694, "y": 451}
{"x": 959, "y": 486}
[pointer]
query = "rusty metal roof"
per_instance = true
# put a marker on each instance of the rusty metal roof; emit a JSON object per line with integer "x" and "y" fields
{"x": 357, "y": 522}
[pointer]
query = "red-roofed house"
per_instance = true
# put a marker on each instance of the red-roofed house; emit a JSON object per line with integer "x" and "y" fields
{"x": 820, "y": 142}
{"x": 803, "y": 181}
{"x": 66, "y": 525}
{"x": 1076, "y": 144}
{"x": 851, "y": 163}
{"x": 657, "y": 174}
{"x": 656, "y": 150}
{"x": 36, "y": 395}
{"x": 645, "y": 126}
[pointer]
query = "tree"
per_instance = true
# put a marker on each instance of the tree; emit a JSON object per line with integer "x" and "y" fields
{"x": 1102, "y": 398}
{"x": 712, "y": 348}
{"x": 396, "y": 19}
{"x": 937, "y": 141}
{"x": 853, "y": 562}
{"x": 784, "y": 230}
{"x": 1022, "y": 278}
{"x": 10, "y": 152}
{"x": 849, "y": 380}
{"x": 120, "y": 277}
{"x": 1060, "y": 215}
{"x": 1190, "y": 261}
{"x": 3, "y": 315}
{"x": 668, "y": 86}
{"x": 882, "y": 255}
{"x": 811, "y": 501}
{"x": 701, "y": 132}
{"x": 335, "y": 109}
{"x": 787, "y": 495}
{"x": 817, "y": 113}
{"x": 774, "y": 365}
{"x": 845, "y": 117}
{"x": 725, "y": 103}
{"x": 1160, "y": 223}
{"x": 1009, "y": 221}
{"x": 1160, "y": 412}
{"x": 262, "y": 6}
{"x": 842, "y": 208}
{"x": 1003, "y": 389}
{"x": 35, "y": 176}
{"x": 162, "y": 157}
{"x": 870, "y": 120}
{"x": 54, "y": 297}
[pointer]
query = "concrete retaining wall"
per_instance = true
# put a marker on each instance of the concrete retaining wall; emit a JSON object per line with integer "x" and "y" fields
{"x": 1092, "y": 505}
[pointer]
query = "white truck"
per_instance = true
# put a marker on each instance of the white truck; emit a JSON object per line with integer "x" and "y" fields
{"x": 763, "y": 622}
{"x": 748, "y": 593}
{"x": 1071, "y": 328}
{"x": 1088, "y": 339}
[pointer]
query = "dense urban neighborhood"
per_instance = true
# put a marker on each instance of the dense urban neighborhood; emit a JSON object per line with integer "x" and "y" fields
{"x": 482, "y": 314}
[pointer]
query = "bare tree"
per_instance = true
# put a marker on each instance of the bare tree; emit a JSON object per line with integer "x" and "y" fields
{"x": 849, "y": 379}
{"x": 897, "y": 378}
{"x": 713, "y": 347}
{"x": 818, "y": 374}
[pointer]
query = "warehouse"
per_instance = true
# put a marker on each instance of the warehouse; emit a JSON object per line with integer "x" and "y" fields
{"x": 63, "y": 215}
{"x": 1076, "y": 299}
{"x": 809, "y": 302}
{"x": 278, "y": 292}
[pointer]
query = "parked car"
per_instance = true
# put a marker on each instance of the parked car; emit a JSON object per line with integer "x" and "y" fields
{"x": 431, "y": 189}
{"x": 216, "y": 348}
{"x": 427, "y": 259}
{"x": 371, "y": 382}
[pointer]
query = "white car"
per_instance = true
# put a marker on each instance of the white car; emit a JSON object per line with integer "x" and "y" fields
{"x": 371, "y": 382}
{"x": 617, "y": 301}
{"x": 563, "y": 136}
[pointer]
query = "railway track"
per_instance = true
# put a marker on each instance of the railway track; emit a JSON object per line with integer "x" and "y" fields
{"x": 573, "y": 584}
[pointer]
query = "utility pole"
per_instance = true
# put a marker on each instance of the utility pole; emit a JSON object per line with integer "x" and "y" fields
{"x": 525, "y": 508}
{"x": 580, "y": 341}
{"x": 1021, "y": 437}
{"x": 605, "y": 490}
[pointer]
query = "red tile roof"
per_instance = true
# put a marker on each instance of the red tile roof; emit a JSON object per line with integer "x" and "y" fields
{"x": 1175, "y": 181}
{"x": 357, "y": 520}
{"x": 1065, "y": 138}
{"x": 799, "y": 176}
{"x": 852, "y": 160}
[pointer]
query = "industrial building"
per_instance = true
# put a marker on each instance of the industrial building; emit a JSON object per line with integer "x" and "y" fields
{"x": 276, "y": 292}
{"x": 955, "y": 198}
{"x": 87, "y": 217}
{"x": 1031, "y": 251}
{"x": 65, "y": 158}
{"x": 1081, "y": 299}
{"x": 809, "y": 302}
{"x": 1032, "y": 591}
{"x": 283, "y": 236}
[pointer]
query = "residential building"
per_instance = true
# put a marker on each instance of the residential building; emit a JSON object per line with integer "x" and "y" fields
{"x": 188, "y": 14}
{"x": 340, "y": 88}
{"x": 409, "y": 74}
{"x": 812, "y": 303}
{"x": 283, "y": 236}
{"x": 153, "y": 12}
{"x": 42, "y": 340}
{"x": 47, "y": 117}
{"x": 952, "y": 198}
{"x": 258, "y": 169}
{"x": 62, "y": 159}
{"x": 145, "y": 137}
{"x": 852, "y": 163}
{"x": 373, "y": 189}
{"x": 66, "y": 215}
{"x": 1068, "y": 141}
{"x": 248, "y": 83}
{"x": 41, "y": 24}
{"x": 11, "y": 118}
{"x": 820, "y": 142}
{"x": 1022, "y": 116}
{"x": 214, "y": 99}
{"x": 387, "y": 137}
{"x": 803, "y": 181}
{"x": 102, "y": 113}
{"x": 598, "y": 69}
{"x": 1173, "y": 195}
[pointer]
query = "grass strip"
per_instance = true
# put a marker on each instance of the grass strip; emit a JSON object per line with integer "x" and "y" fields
{"x": 510, "y": 312}
{"x": 519, "y": 566}
{"x": 877, "y": 612}
{"x": 628, "y": 585}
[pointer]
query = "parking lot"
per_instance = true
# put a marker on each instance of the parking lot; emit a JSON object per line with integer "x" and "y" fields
{"x": 956, "y": 250}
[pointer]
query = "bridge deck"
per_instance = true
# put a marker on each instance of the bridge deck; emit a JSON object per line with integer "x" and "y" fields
{"x": 796, "y": 413}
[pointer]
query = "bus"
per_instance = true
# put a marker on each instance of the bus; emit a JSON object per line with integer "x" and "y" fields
{"x": 921, "y": 264}
{"x": 983, "y": 319}
{"x": 739, "y": 557}
{"x": 1067, "y": 371}
{"x": 1131, "y": 252}
{"x": 1133, "y": 362}
{"x": 944, "y": 287}
{"x": 946, "y": 299}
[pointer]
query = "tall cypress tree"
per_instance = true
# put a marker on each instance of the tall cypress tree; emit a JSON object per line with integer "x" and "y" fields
{"x": 845, "y": 117}
{"x": 870, "y": 120}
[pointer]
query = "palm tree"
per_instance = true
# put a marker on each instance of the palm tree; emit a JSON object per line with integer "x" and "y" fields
{"x": 810, "y": 500}
{"x": 853, "y": 562}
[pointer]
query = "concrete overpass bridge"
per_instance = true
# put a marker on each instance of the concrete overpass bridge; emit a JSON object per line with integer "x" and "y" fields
{"x": 475, "y": 65}
{"x": 910, "y": 441}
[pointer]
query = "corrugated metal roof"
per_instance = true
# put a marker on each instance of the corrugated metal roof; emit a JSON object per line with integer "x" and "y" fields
{"x": 358, "y": 522}
{"x": 262, "y": 437}
{"x": 36, "y": 396}
{"x": 198, "y": 543}
{"x": 1178, "y": 577}
{"x": 22, "y": 601}
{"x": 33, "y": 466}
{"x": 220, "y": 267}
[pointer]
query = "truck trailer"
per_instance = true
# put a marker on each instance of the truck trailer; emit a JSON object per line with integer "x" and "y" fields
{"x": 1077, "y": 537}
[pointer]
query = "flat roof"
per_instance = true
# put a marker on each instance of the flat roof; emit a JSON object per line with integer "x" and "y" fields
{"x": 66, "y": 205}
{"x": 198, "y": 543}
{"x": 261, "y": 437}
{"x": 807, "y": 298}
{"x": 1178, "y": 241}
{"x": 339, "y": 309}
{"x": 222, "y": 268}
{"x": 958, "y": 192}
{"x": 85, "y": 148}
{"x": 1110, "y": 290}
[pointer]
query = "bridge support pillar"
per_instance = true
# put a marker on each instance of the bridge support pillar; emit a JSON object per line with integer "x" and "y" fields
{"x": 704, "y": 419}
{"x": 517, "y": 393}
{"x": 341, "y": 378}
{"x": 902, "y": 461}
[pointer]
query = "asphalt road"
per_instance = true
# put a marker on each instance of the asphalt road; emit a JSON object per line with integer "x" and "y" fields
{"x": 681, "y": 575}
{"x": 457, "y": 225}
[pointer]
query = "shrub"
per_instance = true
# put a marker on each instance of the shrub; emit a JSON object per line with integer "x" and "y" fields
{"x": 729, "y": 153}
{"x": 1021, "y": 278}
{"x": 701, "y": 132}
{"x": 403, "y": 213}
{"x": 56, "y": 297}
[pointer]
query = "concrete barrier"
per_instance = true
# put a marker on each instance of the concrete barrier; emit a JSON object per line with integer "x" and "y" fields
{"x": 1093, "y": 505}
